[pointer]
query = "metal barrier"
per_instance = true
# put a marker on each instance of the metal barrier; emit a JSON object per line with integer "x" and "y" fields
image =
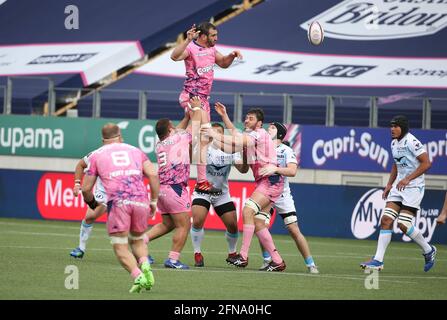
{"x": 343, "y": 110}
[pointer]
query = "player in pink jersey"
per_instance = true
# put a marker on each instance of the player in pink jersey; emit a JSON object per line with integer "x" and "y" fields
{"x": 173, "y": 156}
{"x": 261, "y": 155}
{"x": 199, "y": 53}
{"x": 121, "y": 167}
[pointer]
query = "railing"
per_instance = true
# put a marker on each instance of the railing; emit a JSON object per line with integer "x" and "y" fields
{"x": 340, "y": 110}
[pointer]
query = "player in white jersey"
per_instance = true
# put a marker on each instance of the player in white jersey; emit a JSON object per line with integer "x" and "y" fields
{"x": 90, "y": 215}
{"x": 404, "y": 193}
{"x": 217, "y": 171}
{"x": 285, "y": 206}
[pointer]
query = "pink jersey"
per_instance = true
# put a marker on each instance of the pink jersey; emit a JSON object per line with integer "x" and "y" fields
{"x": 262, "y": 152}
{"x": 120, "y": 167}
{"x": 199, "y": 69}
{"x": 173, "y": 158}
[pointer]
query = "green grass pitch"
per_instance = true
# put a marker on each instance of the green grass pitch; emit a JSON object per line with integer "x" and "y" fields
{"x": 34, "y": 255}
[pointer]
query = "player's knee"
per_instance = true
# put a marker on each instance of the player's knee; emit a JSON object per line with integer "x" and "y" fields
{"x": 251, "y": 208}
{"x": 405, "y": 221}
{"x": 115, "y": 240}
{"x": 386, "y": 222}
{"x": 289, "y": 219}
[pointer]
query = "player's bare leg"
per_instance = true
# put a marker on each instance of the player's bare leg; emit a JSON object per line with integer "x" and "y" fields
{"x": 182, "y": 224}
{"x": 200, "y": 149}
{"x": 140, "y": 251}
{"x": 127, "y": 260}
{"x": 162, "y": 228}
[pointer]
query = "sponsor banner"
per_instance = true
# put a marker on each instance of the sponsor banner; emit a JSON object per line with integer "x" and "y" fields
{"x": 55, "y": 200}
{"x": 93, "y": 61}
{"x": 365, "y": 219}
{"x": 364, "y": 149}
{"x": 68, "y": 137}
{"x": 382, "y": 19}
{"x": 354, "y": 212}
{"x": 298, "y": 68}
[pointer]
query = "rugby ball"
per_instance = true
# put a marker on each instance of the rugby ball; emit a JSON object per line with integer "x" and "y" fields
{"x": 315, "y": 33}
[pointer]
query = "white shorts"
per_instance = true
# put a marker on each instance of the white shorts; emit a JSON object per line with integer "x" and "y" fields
{"x": 99, "y": 192}
{"x": 410, "y": 197}
{"x": 285, "y": 204}
{"x": 216, "y": 201}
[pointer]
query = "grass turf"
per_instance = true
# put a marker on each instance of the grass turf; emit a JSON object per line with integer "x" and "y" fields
{"x": 34, "y": 255}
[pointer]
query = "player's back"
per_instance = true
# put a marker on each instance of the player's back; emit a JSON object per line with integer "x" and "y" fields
{"x": 173, "y": 158}
{"x": 120, "y": 167}
{"x": 263, "y": 151}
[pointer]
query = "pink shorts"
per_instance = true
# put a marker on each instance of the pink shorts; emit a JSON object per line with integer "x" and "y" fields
{"x": 128, "y": 215}
{"x": 272, "y": 187}
{"x": 184, "y": 100}
{"x": 173, "y": 199}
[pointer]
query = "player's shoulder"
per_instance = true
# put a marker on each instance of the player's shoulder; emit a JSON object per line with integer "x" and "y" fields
{"x": 285, "y": 148}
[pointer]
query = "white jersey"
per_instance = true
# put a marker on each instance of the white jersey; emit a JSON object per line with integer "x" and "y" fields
{"x": 405, "y": 153}
{"x": 285, "y": 156}
{"x": 99, "y": 188}
{"x": 219, "y": 166}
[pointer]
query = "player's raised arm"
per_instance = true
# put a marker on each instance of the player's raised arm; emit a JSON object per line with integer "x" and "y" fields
{"x": 180, "y": 53}
{"x": 222, "y": 111}
{"x": 226, "y": 61}
{"x": 241, "y": 164}
{"x": 183, "y": 124}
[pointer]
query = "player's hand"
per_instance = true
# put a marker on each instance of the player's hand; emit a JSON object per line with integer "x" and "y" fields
{"x": 268, "y": 170}
{"x": 386, "y": 191}
{"x": 402, "y": 184}
{"x": 220, "y": 109}
{"x": 192, "y": 34}
{"x": 76, "y": 189}
{"x": 208, "y": 132}
{"x": 195, "y": 103}
{"x": 237, "y": 54}
{"x": 153, "y": 210}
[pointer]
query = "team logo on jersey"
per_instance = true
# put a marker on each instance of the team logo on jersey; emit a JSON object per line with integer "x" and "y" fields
{"x": 365, "y": 218}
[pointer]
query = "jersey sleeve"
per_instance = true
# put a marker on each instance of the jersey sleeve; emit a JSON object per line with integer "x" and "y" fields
{"x": 416, "y": 147}
{"x": 252, "y": 137}
{"x": 92, "y": 169}
{"x": 290, "y": 156}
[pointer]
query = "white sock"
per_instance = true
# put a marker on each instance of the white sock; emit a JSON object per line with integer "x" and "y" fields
{"x": 86, "y": 230}
{"x": 417, "y": 237}
{"x": 232, "y": 241}
{"x": 197, "y": 237}
{"x": 382, "y": 244}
